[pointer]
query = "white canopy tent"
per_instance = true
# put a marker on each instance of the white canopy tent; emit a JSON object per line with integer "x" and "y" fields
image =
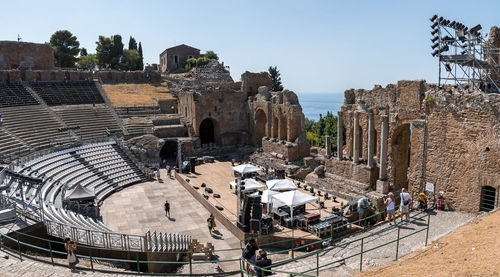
{"x": 250, "y": 184}
{"x": 292, "y": 199}
{"x": 246, "y": 168}
{"x": 281, "y": 185}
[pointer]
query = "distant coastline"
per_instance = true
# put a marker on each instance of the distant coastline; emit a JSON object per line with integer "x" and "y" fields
{"x": 313, "y": 103}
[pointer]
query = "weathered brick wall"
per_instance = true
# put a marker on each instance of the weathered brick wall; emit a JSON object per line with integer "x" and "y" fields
{"x": 347, "y": 169}
{"x": 15, "y": 54}
{"x": 284, "y": 150}
{"x": 448, "y": 137}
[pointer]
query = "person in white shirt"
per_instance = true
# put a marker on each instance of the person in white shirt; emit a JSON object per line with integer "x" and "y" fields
{"x": 404, "y": 207}
{"x": 390, "y": 209}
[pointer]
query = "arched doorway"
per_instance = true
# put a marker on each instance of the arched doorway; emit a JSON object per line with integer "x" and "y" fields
{"x": 207, "y": 131}
{"x": 488, "y": 198}
{"x": 260, "y": 126}
{"x": 401, "y": 143}
{"x": 169, "y": 152}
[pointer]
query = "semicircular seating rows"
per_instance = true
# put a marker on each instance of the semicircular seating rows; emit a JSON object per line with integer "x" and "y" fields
{"x": 101, "y": 167}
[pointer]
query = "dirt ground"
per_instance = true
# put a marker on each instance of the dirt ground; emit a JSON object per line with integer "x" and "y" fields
{"x": 129, "y": 95}
{"x": 472, "y": 250}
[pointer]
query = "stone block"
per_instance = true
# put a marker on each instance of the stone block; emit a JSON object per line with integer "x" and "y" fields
{"x": 382, "y": 186}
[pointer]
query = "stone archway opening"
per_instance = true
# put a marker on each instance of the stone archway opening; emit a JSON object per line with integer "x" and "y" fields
{"x": 401, "y": 144}
{"x": 207, "y": 131}
{"x": 260, "y": 127}
{"x": 169, "y": 151}
{"x": 488, "y": 198}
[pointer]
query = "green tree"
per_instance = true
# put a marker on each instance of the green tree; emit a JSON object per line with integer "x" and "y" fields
{"x": 141, "y": 64}
{"x": 195, "y": 62}
{"x": 87, "y": 62}
{"x": 66, "y": 48}
{"x": 116, "y": 52}
{"x": 274, "y": 74}
{"x": 132, "y": 44}
{"x": 103, "y": 52}
{"x": 317, "y": 130}
{"x": 211, "y": 55}
{"x": 130, "y": 60}
{"x": 83, "y": 52}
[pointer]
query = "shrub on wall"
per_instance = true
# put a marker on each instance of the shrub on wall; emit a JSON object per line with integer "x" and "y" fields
{"x": 195, "y": 62}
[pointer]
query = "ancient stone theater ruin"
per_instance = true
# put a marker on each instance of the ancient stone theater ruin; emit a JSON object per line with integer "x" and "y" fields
{"x": 94, "y": 156}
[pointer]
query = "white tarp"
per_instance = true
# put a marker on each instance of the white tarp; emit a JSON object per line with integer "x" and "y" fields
{"x": 249, "y": 184}
{"x": 292, "y": 199}
{"x": 246, "y": 168}
{"x": 281, "y": 184}
{"x": 266, "y": 196}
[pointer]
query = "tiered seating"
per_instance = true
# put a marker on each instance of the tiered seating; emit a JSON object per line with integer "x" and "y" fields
{"x": 13, "y": 95}
{"x": 10, "y": 146}
{"x": 33, "y": 124}
{"x": 93, "y": 121}
{"x": 160, "y": 242}
{"x": 68, "y": 93}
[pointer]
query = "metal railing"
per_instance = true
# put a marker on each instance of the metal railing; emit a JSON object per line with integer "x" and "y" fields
{"x": 189, "y": 261}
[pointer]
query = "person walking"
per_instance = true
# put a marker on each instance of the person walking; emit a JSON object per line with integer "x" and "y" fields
{"x": 158, "y": 174}
{"x": 390, "y": 209}
{"x": 70, "y": 250}
{"x": 404, "y": 207}
{"x": 167, "y": 209}
{"x": 211, "y": 223}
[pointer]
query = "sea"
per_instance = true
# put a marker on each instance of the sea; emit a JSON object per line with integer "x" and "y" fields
{"x": 313, "y": 104}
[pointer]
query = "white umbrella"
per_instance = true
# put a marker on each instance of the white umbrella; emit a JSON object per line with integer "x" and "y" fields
{"x": 281, "y": 184}
{"x": 292, "y": 199}
{"x": 246, "y": 168}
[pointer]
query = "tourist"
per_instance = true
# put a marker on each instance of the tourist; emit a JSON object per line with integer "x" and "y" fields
{"x": 249, "y": 250}
{"x": 158, "y": 174}
{"x": 389, "y": 208}
{"x": 70, "y": 250}
{"x": 211, "y": 223}
{"x": 261, "y": 262}
{"x": 363, "y": 206}
{"x": 422, "y": 201}
{"x": 404, "y": 207}
{"x": 167, "y": 167}
{"x": 167, "y": 208}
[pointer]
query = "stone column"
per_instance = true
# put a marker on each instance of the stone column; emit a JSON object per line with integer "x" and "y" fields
{"x": 382, "y": 183}
{"x": 328, "y": 146}
{"x": 371, "y": 140}
{"x": 355, "y": 139}
{"x": 340, "y": 138}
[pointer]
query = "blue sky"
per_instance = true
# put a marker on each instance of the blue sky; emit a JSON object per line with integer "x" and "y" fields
{"x": 319, "y": 46}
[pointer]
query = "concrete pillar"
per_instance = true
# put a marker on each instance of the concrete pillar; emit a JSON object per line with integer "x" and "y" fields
{"x": 355, "y": 140}
{"x": 340, "y": 138}
{"x": 328, "y": 146}
{"x": 382, "y": 183}
{"x": 371, "y": 140}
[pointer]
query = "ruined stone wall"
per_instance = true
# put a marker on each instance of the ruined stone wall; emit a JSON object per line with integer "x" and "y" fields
{"x": 250, "y": 82}
{"x": 227, "y": 110}
{"x": 115, "y": 76}
{"x": 447, "y": 137}
{"x": 15, "y": 55}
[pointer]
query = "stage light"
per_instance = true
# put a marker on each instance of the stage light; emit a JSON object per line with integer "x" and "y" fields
{"x": 448, "y": 67}
{"x": 453, "y": 23}
{"x": 435, "y": 45}
{"x": 441, "y": 19}
{"x": 444, "y": 49}
{"x": 463, "y": 52}
{"x": 434, "y": 31}
{"x": 434, "y": 25}
{"x": 433, "y": 18}
{"x": 476, "y": 28}
{"x": 434, "y": 39}
{"x": 435, "y": 53}
{"x": 446, "y": 22}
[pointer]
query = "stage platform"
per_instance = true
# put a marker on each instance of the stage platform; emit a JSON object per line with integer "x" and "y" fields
{"x": 217, "y": 176}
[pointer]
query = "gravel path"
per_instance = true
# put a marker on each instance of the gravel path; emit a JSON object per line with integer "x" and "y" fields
{"x": 441, "y": 223}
